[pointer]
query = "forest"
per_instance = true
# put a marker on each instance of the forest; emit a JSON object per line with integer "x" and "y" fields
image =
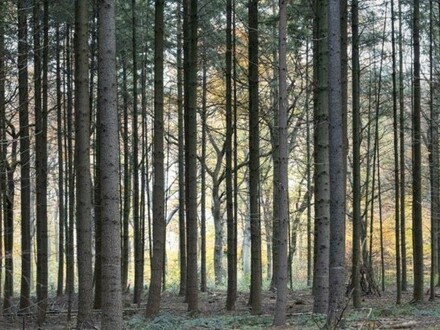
{"x": 219, "y": 164}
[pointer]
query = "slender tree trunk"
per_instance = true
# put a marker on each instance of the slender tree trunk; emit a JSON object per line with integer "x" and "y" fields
{"x": 61, "y": 200}
{"x": 336, "y": 165}
{"x": 41, "y": 104}
{"x": 357, "y": 220}
{"x": 181, "y": 156}
{"x": 138, "y": 245}
{"x": 24, "y": 160}
{"x": 402, "y": 154}
{"x": 82, "y": 165}
{"x": 396, "y": 160}
{"x": 109, "y": 178}
{"x": 203, "y": 116}
{"x": 159, "y": 225}
{"x": 254, "y": 161}
{"x": 283, "y": 156}
{"x": 127, "y": 180}
{"x": 70, "y": 277}
{"x": 321, "y": 154}
{"x": 434, "y": 162}
{"x": 309, "y": 178}
{"x": 190, "y": 80}
{"x": 232, "y": 265}
{"x": 417, "y": 233}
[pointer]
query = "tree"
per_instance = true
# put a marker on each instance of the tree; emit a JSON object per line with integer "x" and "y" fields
{"x": 282, "y": 185}
{"x": 82, "y": 165}
{"x": 254, "y": 161}
{"x": 109, "y": 171}
{"x": 417, "y": 233}
{"x": 321, "y": 173}
{"x": 41, "y": 106}
{"x": 61, "y": 203}
{"x": 336, "y": 165}
{"x": 138, "y": 235}
{"x": 159, "y": 225}
{"x": 181, "y": 157}
{"x": 357, "y": 220}
{"x": 190, "y": 124}
{"x": 232, "y": 249}
{"x": 396, "y": 160}
{"x": 25, "y": 199}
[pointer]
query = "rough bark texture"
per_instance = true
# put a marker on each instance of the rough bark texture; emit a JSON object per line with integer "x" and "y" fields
{"x": 190, "y": 80}
{"x": 321, "y": 174}
{"x": 137, "y": 221}
{"x": 109, "y": 176}
{"x": 159, "y": 224}
{"x": 282, "y": 185}
{"x": 417, "y": 233}
{"x": 24, "y": 156}
{"x": 232, "y": 251}
{"x": 396, "y": 160}
{"x": 41, "y": 159}
{"x": 181, "y": 166}
{"x": 82, "y": 166}
{"x": 357, "y": 220}
{"x": 336, "y": 166}
{"x": 254, "y": 161}
{"x": 61, "y": 199}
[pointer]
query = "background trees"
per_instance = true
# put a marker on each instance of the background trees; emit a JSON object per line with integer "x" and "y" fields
{"x": 104, "y": 149}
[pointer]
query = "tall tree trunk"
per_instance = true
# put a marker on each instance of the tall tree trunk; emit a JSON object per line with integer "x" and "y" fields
{"x": 396, "y": 160}
{"x": 181, "y": 156}
{"x": 203, "y": 116}
{"x": 402, "y": 154}
{"x": 321, "y": 154}
{"x": 127, "y": 180}
{"x": 283, "y": 156}
{"x": 232, "y": 264}
{"x": 70, "y": 181}
{"x": 309, "y": 178}
{"x": 254, "y": 161}
{"x": 109, "y": 178}
{"x": 190, "y": 80}
{"x": 138, "y": 245}
{"x": 82, "y": 165}
{"x": 357, "y": 220}
{"x": 61, "y": 199}
{"x": 159, "y": 225}
{"x": 417, "y": 232}
{"x": 434, "y": 162}
{"x": 24, "y": 159}
{"x": 336, "y": 165}
{"x": 41, "y": 156}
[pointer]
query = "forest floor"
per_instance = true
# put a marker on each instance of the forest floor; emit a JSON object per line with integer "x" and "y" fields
{"x": 376, "y": 313}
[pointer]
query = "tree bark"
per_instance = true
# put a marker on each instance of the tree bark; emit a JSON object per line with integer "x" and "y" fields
{"x": 24, "y": 158}
{"x": 190, "y": 83}
{"x": 282, "y": 185}
{"x": 82, "y": 166}
{"x": 357, "y": 220}
{"x": 254, "y": 161}
{"x": 336, "y": 166}
{"x": 109, "y": 178}
{"x": 417, "y": 232}
{"x": 159, "y": 225}
{"x": 321, "y": 160}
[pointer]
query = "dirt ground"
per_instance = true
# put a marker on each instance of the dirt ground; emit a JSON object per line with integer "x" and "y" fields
{"x": 376, "y": 313}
